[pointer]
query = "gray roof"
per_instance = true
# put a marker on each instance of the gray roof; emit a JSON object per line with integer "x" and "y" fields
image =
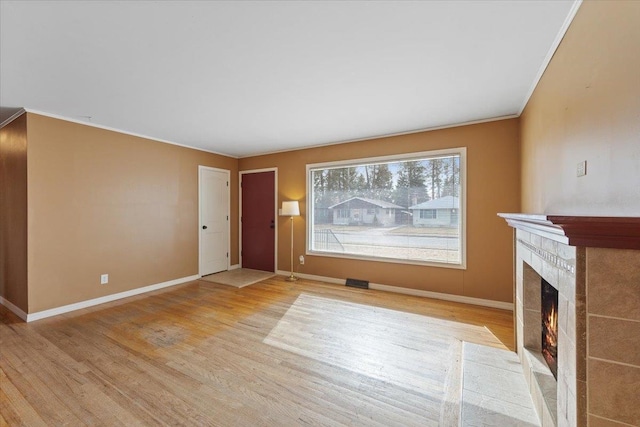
{"x": 446, "y": 202}
{"x": 379, "y": 203}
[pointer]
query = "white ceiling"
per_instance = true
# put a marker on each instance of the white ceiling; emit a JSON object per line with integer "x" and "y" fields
{"x": 244, "y": 78}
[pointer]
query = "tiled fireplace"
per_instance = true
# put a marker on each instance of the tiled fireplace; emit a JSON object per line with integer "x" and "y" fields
{"x": 594, "y": 264}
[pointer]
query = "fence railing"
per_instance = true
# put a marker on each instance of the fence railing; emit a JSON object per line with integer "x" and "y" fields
{"x": 326, "y": 240}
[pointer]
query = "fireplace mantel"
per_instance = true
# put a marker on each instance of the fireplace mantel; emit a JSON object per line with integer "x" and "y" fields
{"x": 581, "y": 231}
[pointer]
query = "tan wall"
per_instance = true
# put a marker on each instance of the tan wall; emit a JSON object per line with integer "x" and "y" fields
{"x": 587, "y": 107}
{"x": 493, "y": 176}
{"x": 13, "y": 212}
{"x": 105, "y": 202}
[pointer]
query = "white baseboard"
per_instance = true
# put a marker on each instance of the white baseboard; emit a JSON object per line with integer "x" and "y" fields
{"x": 15, "y": 309}
{"x": 234, "y": 267}
{"x": 312, "y": 277}
{"x": 415, "y": 292}
{"x": 446, "y": 297}
{"x": 107, "y": 298}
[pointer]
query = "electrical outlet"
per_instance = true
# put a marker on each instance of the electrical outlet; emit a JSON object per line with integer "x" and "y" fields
{"x": 582, "y": 168}
{"x": 104, "y": 279}
{"x": 301, "y": 259}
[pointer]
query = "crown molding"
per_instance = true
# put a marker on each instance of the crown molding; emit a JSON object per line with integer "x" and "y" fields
{"x": 389, "y": 135}
{"x": 13, "y": 117}
{"x": 124, "y": 132}
{"x": 552, "y": 50}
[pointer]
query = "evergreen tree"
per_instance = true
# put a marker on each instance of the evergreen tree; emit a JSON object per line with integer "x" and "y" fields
{"x": 319, "y": 185}
{"x": 378, "y": 182}
{"x": 451, "y": 185}
{"x": 410, "y": 186}
{"x": 344, "y": 183}
{"x": 435, "y": 169}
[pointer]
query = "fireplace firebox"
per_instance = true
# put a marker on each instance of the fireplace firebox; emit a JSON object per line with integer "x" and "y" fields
{"x": 549, "y": 314}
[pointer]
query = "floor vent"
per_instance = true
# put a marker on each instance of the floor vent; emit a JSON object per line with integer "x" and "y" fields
{"x": 355, "y": 283}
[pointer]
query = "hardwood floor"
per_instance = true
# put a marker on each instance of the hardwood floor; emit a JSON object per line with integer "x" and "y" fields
{"x": 272, "y": 354}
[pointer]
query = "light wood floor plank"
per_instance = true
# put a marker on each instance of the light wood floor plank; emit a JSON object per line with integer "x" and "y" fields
{"x": 14, "y": 408}
{"x": 271, "y": 354}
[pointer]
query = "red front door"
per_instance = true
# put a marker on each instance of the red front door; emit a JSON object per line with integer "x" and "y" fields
{"x": 258, "y": 220}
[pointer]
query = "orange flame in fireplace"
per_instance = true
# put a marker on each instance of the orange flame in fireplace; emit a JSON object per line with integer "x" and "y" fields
{"x": 550, "y": 338}
{"x": 551, "y": 324}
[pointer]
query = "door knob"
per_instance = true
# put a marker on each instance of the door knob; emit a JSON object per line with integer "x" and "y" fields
{"x": 204, "y": 227}
{"x": 273, "y": 224}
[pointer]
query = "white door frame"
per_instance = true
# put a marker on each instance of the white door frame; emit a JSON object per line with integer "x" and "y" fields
{"x": 228, "y": 173}
{"x": 275, "y": 213}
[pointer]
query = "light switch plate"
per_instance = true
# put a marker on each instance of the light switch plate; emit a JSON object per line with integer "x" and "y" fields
{"x": 582, "y": 168}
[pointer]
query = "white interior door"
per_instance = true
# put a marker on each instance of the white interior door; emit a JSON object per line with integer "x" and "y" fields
{"x": 214, "y": 220}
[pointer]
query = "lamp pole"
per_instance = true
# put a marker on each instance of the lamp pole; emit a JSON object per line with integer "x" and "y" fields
{"x": 292, "y": 278}
{"x": 291, "y": 208}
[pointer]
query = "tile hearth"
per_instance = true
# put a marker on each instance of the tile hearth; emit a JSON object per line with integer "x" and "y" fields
{"x": 494, "y": 391}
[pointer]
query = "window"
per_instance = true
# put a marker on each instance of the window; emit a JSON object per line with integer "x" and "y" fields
{"x": 414, "y": 207}
{"x": 427, "y": 213}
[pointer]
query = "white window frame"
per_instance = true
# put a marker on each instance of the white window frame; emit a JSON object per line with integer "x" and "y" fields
{"x": 460, "y": 151}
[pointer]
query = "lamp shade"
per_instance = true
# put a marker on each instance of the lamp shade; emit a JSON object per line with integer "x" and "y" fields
{"x": 290, "y": 208}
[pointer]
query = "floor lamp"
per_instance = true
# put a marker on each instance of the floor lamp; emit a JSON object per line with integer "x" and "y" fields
{"x": 291, "y": 209}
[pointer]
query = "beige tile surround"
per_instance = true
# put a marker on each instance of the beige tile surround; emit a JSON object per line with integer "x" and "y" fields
{"x": 613, "y": 336}
{"x": 599, "y": 331}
